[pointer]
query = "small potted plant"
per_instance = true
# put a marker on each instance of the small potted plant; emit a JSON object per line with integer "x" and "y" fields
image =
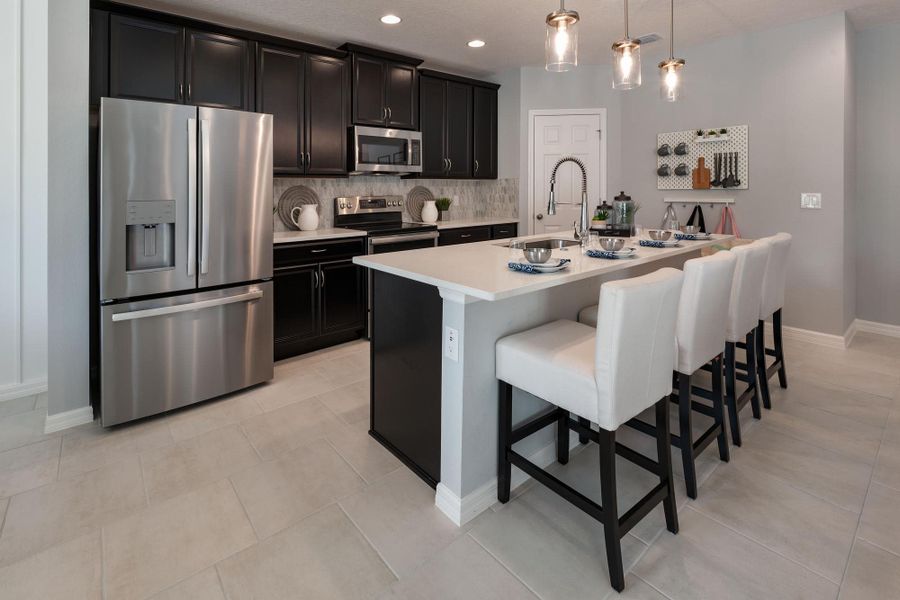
{"x": 443, "y": 205}
{"x": 599, "y": 220}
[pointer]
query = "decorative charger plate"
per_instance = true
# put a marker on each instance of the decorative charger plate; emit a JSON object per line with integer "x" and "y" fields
{"x": 416, "y": 199}
{"x": 298, "y": 195}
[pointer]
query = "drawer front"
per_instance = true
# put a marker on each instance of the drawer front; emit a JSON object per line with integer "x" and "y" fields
{"x": 289, "y": 255}
{"x": 507, "y": 230}
{"x": 464, "y": 235}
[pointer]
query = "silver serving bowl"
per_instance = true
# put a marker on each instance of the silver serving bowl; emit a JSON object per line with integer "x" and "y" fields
{"x": 690, "y": 229}
{"x": 659, "y": 235}
{"x": 537, "y": 256}
{"x": 612, "y": 244}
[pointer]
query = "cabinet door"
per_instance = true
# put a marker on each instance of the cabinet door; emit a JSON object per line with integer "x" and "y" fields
{"x": 466, "y": 235}
{"x": 402, "y": 98}
{"x": 326, "y": 115}
{"x": 99, "y": 53}
{"x": 484, "y": 132}
{"x": 459, "y": 129}
{"x": 279, "y": 91}
{"x": 432, "y": 116}
{"x": 342, "y": 287}
{"x": 146, "y": 60}
{"x": 296, "y": 303}
{"x": 218, "y": 70}
{"x": 368, "y": 91}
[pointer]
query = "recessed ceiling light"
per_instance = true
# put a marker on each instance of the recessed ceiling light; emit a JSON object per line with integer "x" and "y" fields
{"x": 476, "y": 44}
{"x": 390, "y": 19}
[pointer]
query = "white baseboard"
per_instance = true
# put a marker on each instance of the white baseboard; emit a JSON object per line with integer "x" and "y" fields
{"x": 874, "y": 327}
{"x": 70, "y": 418}
{"x": 462, "y": 510}
{"x": 835, "y": 341}
{"x": 20, "y": 390}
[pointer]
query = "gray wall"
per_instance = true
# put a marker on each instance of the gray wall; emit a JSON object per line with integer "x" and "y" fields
{"x": 67, "y": 227}
{"x": 877, "y": 208}
{"x": 850, "y": 180}
{"x": 788, "y": 84}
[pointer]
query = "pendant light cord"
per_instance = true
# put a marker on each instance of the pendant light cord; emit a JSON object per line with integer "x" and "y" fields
{"x": 672, "y": 30}
{"x": 626, "y": 20}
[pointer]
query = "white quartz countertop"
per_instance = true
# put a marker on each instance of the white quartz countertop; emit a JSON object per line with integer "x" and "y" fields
{"x": 479, "y": 270}
{"x": 459, "y": 223}
{"x": 317, "y": 235}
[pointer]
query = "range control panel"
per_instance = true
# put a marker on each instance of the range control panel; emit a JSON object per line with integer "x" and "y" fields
{"x": 367, "y": 204}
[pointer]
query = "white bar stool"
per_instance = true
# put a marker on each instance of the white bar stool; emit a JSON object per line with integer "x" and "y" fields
{"x": 743, "y": 319}
{"x": 700, "y": 333}
{"x": 607, "y": 376}
{"x": 771, "y": 306}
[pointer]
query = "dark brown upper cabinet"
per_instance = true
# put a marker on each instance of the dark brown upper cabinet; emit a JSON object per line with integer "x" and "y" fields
{"x": 219, "y": 71}
{"x": 484, "y": 133}
{"x": 385, "y": 88}
{"x": 446, "y": 113}
{"x": 146, "y": 59}
{"x": 308, "y": 95}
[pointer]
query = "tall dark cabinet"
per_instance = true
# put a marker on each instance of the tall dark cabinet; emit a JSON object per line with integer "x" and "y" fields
{"x": 484, "y": 132}
{"x": 218, "y": 70}
{"x": 307, "y": 94}
{"x": 385, "y": 88}
{"x": 446, "y": 114}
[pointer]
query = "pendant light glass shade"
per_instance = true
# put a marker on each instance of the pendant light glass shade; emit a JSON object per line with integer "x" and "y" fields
{"x": 626, "y": 64}
{"x": 561, "y": 45}
{"x": 670, "y": 79}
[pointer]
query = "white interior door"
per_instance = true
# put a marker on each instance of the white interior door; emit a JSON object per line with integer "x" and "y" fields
{"x": 555, "y": 136}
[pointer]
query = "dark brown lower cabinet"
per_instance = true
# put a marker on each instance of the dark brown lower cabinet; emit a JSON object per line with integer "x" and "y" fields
{"x": 480, "y": 233}
{"x": 319, "y": 296}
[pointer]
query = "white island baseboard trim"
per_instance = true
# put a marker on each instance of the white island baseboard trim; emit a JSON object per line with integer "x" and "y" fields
{"x": 462, "y": 510}
{"x": 20, "y": 390}
{"x": 70, "y": 418}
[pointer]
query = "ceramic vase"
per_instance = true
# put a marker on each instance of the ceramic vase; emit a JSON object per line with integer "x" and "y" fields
{"x": 308, "y": 217}
{"x": 429, "y": 212}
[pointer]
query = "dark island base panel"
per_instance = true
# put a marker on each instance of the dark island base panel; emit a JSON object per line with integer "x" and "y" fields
{"x": 406, "y": 373}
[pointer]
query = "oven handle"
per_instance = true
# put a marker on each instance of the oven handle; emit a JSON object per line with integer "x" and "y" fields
{"x": 393, "y": 239}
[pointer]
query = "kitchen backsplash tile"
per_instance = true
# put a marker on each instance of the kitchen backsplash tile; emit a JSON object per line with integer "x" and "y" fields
{"x": 472, "y": 199}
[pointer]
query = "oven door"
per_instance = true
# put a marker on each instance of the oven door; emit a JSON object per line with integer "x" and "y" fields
{"x": 395, "y": 243}
{"x": 379, "y": 150}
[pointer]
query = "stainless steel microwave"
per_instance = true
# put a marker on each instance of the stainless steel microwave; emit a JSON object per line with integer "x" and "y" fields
{"x": 387, "y": 151}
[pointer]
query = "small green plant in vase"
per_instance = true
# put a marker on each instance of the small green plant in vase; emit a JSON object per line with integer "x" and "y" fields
{"x": 443, "y": 205}
{"x": 599, "y": 220}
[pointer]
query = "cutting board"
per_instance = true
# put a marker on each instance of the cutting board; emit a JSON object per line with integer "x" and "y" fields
{"x": 701, "y": 175}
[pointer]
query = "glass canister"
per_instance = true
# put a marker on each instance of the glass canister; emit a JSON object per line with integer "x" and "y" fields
{"x": 623, "y": 213}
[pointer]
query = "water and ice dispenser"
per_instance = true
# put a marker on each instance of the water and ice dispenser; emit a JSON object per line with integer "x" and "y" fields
{"x": 150, "y": 235}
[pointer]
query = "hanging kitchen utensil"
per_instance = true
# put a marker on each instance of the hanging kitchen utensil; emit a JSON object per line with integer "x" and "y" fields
{"x": 663, "y": 150}
{"x": 663, "y": 171}
{"x": 737, "y": 171}
{"x": 681, "y": 149}
{"x": 697, "y": 214}
{"x": 729, "y": 175}
{"x": 717, "y": 164}
{"x": 700, "y": 176}
{"x": 728, "y": 215}
{"x": 670, "y": 220}
{"x": 681, "y": 169}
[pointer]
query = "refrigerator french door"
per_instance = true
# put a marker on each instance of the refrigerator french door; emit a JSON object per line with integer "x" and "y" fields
{"x": 185, "y": 255}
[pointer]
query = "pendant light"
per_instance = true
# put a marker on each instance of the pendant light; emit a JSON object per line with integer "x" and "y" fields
{"x": 561, "y": 45}
{"x": 670, "y": 70}
{"x": 626, "y": 60}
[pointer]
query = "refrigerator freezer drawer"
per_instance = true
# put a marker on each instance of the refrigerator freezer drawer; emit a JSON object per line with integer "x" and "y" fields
{"x": 171, "y": 352}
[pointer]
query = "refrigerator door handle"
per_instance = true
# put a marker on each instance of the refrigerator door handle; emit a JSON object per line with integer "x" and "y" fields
{"x": 192, "y": 197}
{"x": 191, "y": 306}
{"x": 204, "y": 196}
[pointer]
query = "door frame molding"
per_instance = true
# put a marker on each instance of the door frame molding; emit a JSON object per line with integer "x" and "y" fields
{"x": 601, "y": 112}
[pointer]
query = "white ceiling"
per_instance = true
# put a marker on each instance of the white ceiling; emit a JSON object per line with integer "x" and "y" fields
{"x": 437, "y": 30}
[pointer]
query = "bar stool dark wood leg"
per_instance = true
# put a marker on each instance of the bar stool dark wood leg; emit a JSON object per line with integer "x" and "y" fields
{"x": 779, "y": 348}
{"x": 730, "y": 394}
{"x": 663, "y": 440}
{"x": 761, "y": 376}
{"x": 686, "y": 434}
{"x": 719, "y": 407}
{"x": 752, "y": 386}
{"x": 609, "y": 500}
{"x": 562, "y": 437}
{"x": 504, "y": 467}
{"x": 583, "y": 438}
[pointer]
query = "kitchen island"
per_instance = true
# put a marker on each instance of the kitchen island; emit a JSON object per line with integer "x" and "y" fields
{"x": 437, "y": 315}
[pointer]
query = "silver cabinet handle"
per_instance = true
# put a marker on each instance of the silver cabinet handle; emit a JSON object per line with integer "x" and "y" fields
{"x": 302, "y": 159}
{"x": 390, "y": 113}
{"x": 204, "y": 195}
{"x": 189, "y": 96}
{"x": 384, "y": 113}
{"x": 307, "y": 160}
{"x": 190, "y": 306}
{"x": 322, "y": 278}
{"x": 318, "y": 250}
{"x": 465, "y": 235}
{"x": 181, "y": 91}
{"x": 476, "y": 166}
{"x": 316, "y": 275}
{"x": 192, "y": 197}
{"x": 450, "y": 163}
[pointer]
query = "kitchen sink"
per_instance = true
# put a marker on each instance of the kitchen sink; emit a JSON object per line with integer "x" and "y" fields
{"x": 551, "y": 243}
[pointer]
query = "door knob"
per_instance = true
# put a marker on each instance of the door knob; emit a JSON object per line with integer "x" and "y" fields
{"x": 540, "y": 217}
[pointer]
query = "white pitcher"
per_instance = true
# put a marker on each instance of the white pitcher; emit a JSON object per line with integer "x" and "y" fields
{"x": 429, "y": 212}
{"x": 308, "y": 217}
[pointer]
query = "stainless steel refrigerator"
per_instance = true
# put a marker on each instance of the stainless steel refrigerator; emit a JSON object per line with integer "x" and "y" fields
{"x": 185, "y": 255}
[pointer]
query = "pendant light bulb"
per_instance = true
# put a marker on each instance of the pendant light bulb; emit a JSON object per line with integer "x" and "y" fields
{"x": 670, "y": 70}
{"x": 561, "y": 44}
{"x": 626, "y": 60}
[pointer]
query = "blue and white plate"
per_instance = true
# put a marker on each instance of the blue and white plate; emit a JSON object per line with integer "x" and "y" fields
{"x": 690, "y": 237}
{"x": 659, "y": 243}
{"x": 524, "y": 266}
{"x": 612, "y": 254}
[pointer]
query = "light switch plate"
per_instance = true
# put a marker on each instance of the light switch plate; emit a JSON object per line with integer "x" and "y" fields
{"x": 451, "y": 344}
{"x": 809, "y": 200}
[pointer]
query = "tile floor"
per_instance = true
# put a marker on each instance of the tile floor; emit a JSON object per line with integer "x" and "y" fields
{"x": 278, "y": 492}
